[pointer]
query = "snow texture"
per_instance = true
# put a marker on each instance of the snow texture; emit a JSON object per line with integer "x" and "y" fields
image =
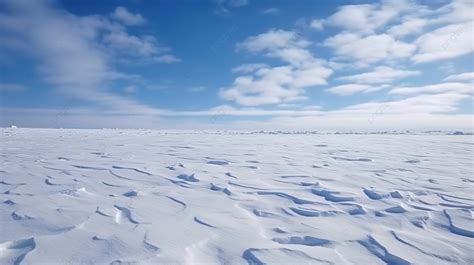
{"x": 155, "y": 197}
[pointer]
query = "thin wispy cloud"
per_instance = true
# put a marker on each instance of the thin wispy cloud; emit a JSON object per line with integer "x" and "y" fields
{"x": 350, "y": 89}
{"x": 5, "y": 87}
{"x": 271, "y": 11}
{"x": 380, "y": 74}
{"x": 224, "y": 7}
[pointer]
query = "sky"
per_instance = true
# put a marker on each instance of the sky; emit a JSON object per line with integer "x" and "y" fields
{"x": 237, "y": 64}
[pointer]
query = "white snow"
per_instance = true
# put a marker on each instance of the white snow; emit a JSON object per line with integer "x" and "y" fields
{"x": 154, "y": 197}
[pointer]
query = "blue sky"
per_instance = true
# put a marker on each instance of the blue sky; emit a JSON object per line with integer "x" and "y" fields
{"x": 238, "y": 64}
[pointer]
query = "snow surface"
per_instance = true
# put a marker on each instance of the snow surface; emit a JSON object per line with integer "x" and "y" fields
{"x": 120, "y": 196}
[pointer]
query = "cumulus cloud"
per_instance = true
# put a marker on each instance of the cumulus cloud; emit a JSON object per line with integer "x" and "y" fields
{"x": 267, "y": 86}
{"x": 285, "y": 45}
{"x": 275, "y": 85}
{"x": 280, "y": 84}
{"x": 452, "y": 12}
{"x": 369, "y": 49}
{"x": 367, "y": 18}
{"x": 449, "y": 36}
{"x": 380, "y": 31}
{"x": 446, "y": 42}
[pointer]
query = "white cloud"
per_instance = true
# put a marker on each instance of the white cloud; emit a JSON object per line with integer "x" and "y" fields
{"x": 419, "y": 104}
{"x": 381, "y": 74}
{"x": 461, "y": 77}
{"x": 353, "y": 17}
{"x": 367, "y": 18}
{"x": 125, "y": 43}
{"x": 281, "y": 84}
{"x": 366, "y": 122}
{"x": 274, "y": 85}
{"x": 268, "y": 86}
{"x": 454, "y": 11}
{"x": 350, "y": 89}
{"x": 310, "y": 75}
{"x": 432, "y": 111}
{"x": 226, "y": 110}
{"x": 460, "y": 88}
{"x": 317, "y": 24}
{"x": 118, "y": 42}
{"x": 126, "y": 17}
{"x": 370, "y": 49}
{"x": 166, "y": 58}
{"x": 285, "y": 45}
{"x": 271, "y": 11}
{"x": 428, "y": 111}
{"x": 288, "y": 106}
{"x": 444, "y": 43}
{"x": 409, "y": 27}
{"x": 223, "y": 7}
{"x": 383, "y": 31}
{"x": 248, "y": 68}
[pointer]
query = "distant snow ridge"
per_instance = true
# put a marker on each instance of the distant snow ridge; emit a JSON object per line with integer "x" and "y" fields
{"x": 153, "y": 197}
